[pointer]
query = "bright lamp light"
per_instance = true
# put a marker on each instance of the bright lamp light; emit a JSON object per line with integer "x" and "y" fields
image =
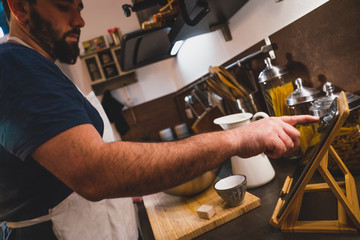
{"x": 175, "y": 49}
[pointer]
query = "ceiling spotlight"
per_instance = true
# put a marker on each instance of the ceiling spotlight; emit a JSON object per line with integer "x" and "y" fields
{"x": 176, "y": 47}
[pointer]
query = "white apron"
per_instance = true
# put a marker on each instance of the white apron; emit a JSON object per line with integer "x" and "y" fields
{"x": 80, "y": 219}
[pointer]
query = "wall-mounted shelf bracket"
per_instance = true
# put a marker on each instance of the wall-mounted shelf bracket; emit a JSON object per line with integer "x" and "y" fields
{"x": 224, "y": 27}
{"x": 271, "y": 52}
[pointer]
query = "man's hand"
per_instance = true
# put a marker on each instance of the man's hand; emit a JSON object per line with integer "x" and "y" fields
{"x": 274, "y": 136}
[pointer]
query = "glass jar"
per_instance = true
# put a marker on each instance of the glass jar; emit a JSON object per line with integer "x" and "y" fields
{"x": 299, "y": 103}
{"x": 347, "y": 140}
{"x": 320, "y": 107}
{"x": 276, "y": 86}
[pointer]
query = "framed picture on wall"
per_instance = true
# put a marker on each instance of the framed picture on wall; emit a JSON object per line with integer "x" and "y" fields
{"x": 105, "y": 57}
{"x": 93, "y": 68}
{"x": 95, "y": 44}
{"x": 110, "y": 70}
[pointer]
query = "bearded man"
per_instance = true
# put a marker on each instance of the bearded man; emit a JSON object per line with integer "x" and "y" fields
{"x": 61, "y": 174}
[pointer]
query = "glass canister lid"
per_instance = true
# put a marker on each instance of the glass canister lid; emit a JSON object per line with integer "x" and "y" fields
{"x": 270, "y": 71}
{"x": 320, "y": 106}
{"x": 302, "y": 94}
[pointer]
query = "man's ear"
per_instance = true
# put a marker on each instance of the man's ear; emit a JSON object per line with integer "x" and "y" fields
{"x": 20, "y": 10}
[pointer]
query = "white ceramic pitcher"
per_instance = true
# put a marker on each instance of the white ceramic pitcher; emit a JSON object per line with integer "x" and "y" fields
{"x": 257, "y": 169}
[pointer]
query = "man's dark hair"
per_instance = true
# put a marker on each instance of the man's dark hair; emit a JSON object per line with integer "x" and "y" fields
{"x": 7, "y": 9}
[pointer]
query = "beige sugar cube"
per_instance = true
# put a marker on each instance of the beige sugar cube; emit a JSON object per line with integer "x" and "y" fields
{"x": 206, "y": 211}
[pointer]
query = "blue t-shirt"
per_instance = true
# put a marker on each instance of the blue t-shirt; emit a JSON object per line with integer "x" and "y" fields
{"x": 37, "y": 102}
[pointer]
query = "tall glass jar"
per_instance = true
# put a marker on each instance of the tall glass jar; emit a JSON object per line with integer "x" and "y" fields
{"x": 299, "y": 103}
{"x": 276, "y": 86}
{"x": 347, "y": 141}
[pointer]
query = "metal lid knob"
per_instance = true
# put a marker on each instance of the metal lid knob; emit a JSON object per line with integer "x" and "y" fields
{"x": 302, "y": 94}
{"x": 328, "y": 89}
{"x": 270, "y": 71}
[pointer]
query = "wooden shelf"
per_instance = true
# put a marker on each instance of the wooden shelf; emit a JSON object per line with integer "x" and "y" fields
{"x": 104, "y": 70}
{"x": 103, "y": 49}
{"x": 114, "y": 83}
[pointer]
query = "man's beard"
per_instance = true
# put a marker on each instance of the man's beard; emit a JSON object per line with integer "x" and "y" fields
{"x": 52, "y": 41}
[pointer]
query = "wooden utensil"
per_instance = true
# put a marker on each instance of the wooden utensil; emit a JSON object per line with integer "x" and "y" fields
{"x": 232, "y": 88}
{"x": 220, "y": 89}
{"x": 225, "y": 73}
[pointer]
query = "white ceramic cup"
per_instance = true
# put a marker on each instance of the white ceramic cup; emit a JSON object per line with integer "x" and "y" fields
{"x": 238, "y": 119}
{"x": 166, "y": 134}
{"x": 257, "y": 169}
{"x": 181, "y": 131}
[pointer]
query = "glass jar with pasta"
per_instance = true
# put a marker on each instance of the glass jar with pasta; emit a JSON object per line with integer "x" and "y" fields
{"x": 299, "y": 103}
{"x": 276, "y": 86}
{"x": 347, "y": 140}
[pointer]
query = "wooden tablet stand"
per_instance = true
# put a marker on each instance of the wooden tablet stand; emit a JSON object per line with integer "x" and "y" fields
{"x": 345, "y": 191}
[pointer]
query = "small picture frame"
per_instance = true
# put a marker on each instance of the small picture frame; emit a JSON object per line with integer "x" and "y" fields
{"x": 110, "y": 70}
{"x": 93, "y": 68}
{"x": 95, "y": 44}
{"x": 106, "y": 57}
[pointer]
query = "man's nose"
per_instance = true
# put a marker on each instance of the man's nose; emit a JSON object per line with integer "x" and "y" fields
{"x": 77, "y": 21}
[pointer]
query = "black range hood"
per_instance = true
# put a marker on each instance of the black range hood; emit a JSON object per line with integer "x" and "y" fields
{"x": 197, "y": 17}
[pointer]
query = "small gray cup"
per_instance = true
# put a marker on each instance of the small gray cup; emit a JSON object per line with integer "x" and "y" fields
{"x": 232, "y": 189}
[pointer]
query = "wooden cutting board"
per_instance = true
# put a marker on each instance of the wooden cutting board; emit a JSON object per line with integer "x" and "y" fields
{"x": 173, "y": 217}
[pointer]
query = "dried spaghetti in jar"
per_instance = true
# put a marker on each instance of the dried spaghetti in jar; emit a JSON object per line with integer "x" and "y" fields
{"x": 299, "y": 103}
{"x": 347, "y": 140}
{"x": 276, "y": 86}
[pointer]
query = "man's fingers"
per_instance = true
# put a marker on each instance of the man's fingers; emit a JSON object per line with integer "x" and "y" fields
{"x": 277, "y": 136}
{"x": 285, "y": 141}
{"x": 276, "y": 146}
{"x": 300, "y": 119}
{"x": 276, "y": 149}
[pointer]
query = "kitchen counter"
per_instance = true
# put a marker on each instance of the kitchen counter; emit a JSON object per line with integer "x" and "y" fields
{"x": 255, "y": 224}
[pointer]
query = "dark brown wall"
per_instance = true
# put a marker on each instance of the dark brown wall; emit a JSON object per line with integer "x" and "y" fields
{"x": 324, "y": 45}
{"x": 151, "y": 117}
